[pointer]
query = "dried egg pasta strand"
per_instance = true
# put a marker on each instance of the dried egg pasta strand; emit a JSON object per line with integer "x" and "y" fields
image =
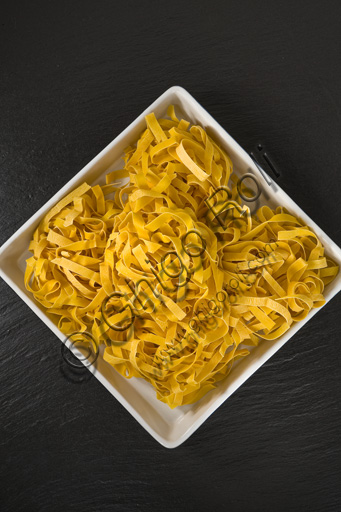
{"x": 262, "y": 273}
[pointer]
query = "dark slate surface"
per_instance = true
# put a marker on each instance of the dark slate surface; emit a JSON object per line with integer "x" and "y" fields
{"x": 73, "y": 75}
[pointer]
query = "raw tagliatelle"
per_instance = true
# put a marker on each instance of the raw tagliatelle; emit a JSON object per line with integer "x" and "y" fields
{"x": 175, "y": 287}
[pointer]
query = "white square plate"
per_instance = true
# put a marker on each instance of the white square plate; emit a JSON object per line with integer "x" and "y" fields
{"x": 168, "y": 427}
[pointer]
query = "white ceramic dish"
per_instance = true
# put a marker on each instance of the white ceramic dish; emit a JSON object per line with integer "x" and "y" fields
{"x": 168, "y": 427}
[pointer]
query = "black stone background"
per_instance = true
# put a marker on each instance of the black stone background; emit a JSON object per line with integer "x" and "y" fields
{"x": 74, "y": 74}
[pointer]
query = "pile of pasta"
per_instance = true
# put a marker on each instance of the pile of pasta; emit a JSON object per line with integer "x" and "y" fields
{"x": 150, "y": 270}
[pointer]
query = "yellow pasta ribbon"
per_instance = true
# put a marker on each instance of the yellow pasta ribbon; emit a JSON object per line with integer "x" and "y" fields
{"x": 176, "y": 287}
